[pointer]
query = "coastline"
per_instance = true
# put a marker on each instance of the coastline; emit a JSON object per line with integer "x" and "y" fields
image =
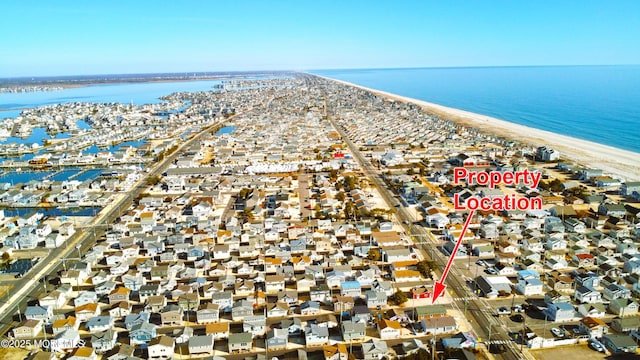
{"x": 617, "y": 162}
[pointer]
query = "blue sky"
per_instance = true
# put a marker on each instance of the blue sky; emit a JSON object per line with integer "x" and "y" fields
{"x": 137, "y": 36}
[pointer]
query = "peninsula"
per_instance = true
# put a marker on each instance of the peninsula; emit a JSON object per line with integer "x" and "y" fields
{"x": 298, "y": 216}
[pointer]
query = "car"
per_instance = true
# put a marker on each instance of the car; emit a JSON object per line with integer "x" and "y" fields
{"x": 518, "y": 308}
{"x": 557, "y": 332}
{"x": 503, "y": 310}
{"x": 517, "y": 318}
{"x": 481, "y": 263}
{"x": 596, "y": 345}
{"x": 491, "y": 271}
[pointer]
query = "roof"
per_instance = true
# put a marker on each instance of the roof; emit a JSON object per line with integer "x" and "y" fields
{"x": 201, "y": 340}
{"x": 240, "y": 338}
{"x": 162, "y": 340}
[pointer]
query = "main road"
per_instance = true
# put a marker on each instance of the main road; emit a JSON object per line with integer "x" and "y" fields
{"x": 30, "y": 286}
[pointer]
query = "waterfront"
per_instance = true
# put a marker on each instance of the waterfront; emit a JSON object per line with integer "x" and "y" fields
{"x": 595, "y": 103}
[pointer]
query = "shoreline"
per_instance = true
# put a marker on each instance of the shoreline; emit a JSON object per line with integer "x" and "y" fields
{"x": 614, "y": 161}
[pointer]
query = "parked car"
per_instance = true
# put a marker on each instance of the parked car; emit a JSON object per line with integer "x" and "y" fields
{"x": 557, "y": 332}
{"x": 503, "y": 310}
{"x": 491, "y": 270}
{"x": 481, "y": 263}
{"x": 518, "y": 308}
{"x": 596, "y": 345}
{"x": 517, "y": 318}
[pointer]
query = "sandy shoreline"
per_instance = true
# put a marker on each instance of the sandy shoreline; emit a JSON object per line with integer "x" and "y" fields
{"x": 613, "y": 161}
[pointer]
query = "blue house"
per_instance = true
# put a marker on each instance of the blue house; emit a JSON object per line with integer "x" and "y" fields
{"x": 142, "y": 333}
{"x": 561, "y": 311}
{"x": 351, "y": 288}
{"x": 132, "y": 320}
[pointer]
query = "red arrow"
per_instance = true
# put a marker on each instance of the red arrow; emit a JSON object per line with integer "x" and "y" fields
{"x": 439, "y": 286}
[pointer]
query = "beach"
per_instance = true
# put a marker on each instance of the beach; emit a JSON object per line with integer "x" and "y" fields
{"x": 616, "y": 162}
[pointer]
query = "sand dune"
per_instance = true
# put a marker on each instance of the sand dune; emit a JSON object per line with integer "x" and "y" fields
{"x": 613, "y": 161}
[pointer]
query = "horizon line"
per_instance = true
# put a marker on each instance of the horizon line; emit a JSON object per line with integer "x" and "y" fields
{"x": 236, "y": 72}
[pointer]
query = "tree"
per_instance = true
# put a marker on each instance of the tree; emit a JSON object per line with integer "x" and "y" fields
{"x": 153, "y": 180}
{"x": 341, "y": 196}
{"x": 426, "y": 268}
{"x": 248, "y": 214}
{"x": 399, "y": 298}
{"x": 374, "y": 255}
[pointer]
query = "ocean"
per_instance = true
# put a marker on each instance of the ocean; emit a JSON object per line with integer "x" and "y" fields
{"x": 595, "y": 103}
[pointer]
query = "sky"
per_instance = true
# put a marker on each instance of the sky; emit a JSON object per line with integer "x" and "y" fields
{"x": 63, "y": 37}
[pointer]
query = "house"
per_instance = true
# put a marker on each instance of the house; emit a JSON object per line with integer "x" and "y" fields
{"x": 277, "y": 339}
{"x": 292, "y": 325}
{"x": 615, "y": 291}
{"x": 83, "y": 353}
{"x": 375, "y": 299}
{"x": 161, "y": 347}
{"x": 239, "y": 342}
{"x": 99, "y": 323}
{"x": 155, "y": 303}
{"x": 278, "y": 309}
{"x": 626, "y": 325}
{"x": 132, "y": 320}
{"x": 335, "y": 352}
{"x": 241, "y": 309}
{"x": 529, "y": 283}
{"x": 105, "y": 341}
{"x": 439, "y": 325}
{"x": 189, "y": 301}
{"x": 148, "y": 290}
{"x": 87, "y": 311}
{"x": 29, "y": 328}
{"x": 623, "y": 307}
{"x": 142, "y": 333}
{"x": 66, "y": 340}
{"x": 353, "y": 331}
{"x": 62, "y": 325}
{"x": 219, "y": 330}
{"x": 118, "y": 295}
{"x": 223, "y": 299}
{"x": 596, "y": 310}
{"x": 85, "y": 297}
{"x": 320, "y": 293}
{"x": 429, "y": 312}
{"x": 375, "y": 349}
{"x": 255, "y": 324}
{"x": 560, "y": 312}
{"x": 171, "y": 315}
{"x": 201, "y": 344}
{"x": 44, "y": 313}
{"x": 274, "y": 284}
{"x": 389, "y": 329}
{"x": 208, "y": 313}
{"x": 384, "y": 286}
{"x": 593, "y": 327}
{"x": 460, "y": 341}
{"x": 619, "y": 343}
{"x": 55, "y": 299}
{"x": 316, "y": 335}
{"x": 584, "y": 294}
{"x": 310, "y": 308}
